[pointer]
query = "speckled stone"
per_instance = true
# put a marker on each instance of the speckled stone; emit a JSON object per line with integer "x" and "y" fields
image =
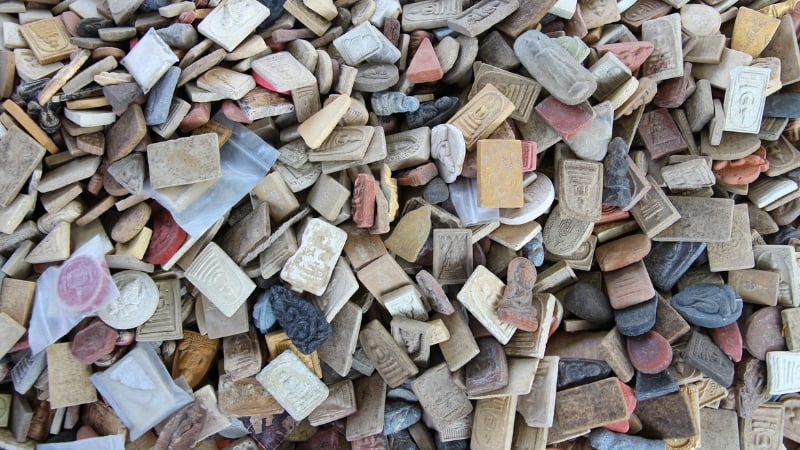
{"x": 436, "y": 191}
{"x": 708, "y": 305}
{"x": 589, "y": 303}
{"x": 667, "y": 417}
{"x": 638, "y": 319}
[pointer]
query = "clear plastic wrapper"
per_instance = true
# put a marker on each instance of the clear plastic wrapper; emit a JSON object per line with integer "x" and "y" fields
{"x": 140, "y": 390}
{"x": 244, "y": 159}
{"x": 68, "y": 293}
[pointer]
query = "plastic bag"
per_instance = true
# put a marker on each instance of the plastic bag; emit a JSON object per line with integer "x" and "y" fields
{"x": 245, "y": 160}
{"x": 140, "y": 390}
{"x": 68, "y": 293}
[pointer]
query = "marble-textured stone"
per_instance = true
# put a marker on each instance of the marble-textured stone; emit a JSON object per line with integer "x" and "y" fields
{"x": 399, "y": 416}
{"x": 616, "y": 186}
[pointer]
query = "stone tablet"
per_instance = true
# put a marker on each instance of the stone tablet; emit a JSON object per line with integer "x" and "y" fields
{"x": 610, "y": 73}
{"x": 493, "y": 423}
{"x": 68, "y": 378}
{"x": 563, "y": 235}
{"x": 480, "y": 295}
{"x": 429, "y": 14}
{"x": 580, "y": 189}
{"x": 764, "y": 428}
{"x": 443, "y": 400}
{"x": 694, "y": 224}
{"x": 370, "y": 393}
{"x": 21, "y": 155}
{"x": 522, "y": 91}
{"x": 753, "y": 31}
{"x": 184, "y": 161}
{"x": 702, "y": 354}
{"x": 149, "y": 60}
{"x": 744, "y": 99}
{"x": 629, "y": 286}
{"x": 245, "y": 397}
{"x": 452, "y": 253}
{"x": 554, "y": 68}
{"x": 408, "y": 148}
{"x": 481, "y": 16}
{"x": 489, "y": 370}
{"x": 293, "y": 385}
{"x": 405, "y": 301}
{"x": 791, "y": 419}
{"x": 340, "y": 403}
{"x": 591, "y": 405}
{"x": 310, "y": 268}
{"x": 499, "y": 174}
{"x": 391, "y": 362}
{"x": 783, "y": 369}
{"x": 215, "y": 274}
{"x": 660, "y": 134}
{"x": 666, "y": 61}
{"x": 482, "y": 115}
{"x": 242, "y": 355}
{"x": 777, "y": 258}
{"x": 737, "y": 253}
{"x": 48, "y": 39}
{"x": 232, "y": 21}
{"x": 283, "y": 71}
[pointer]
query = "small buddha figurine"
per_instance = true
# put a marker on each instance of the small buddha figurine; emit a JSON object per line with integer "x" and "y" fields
{"x": 616, "y": 186}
